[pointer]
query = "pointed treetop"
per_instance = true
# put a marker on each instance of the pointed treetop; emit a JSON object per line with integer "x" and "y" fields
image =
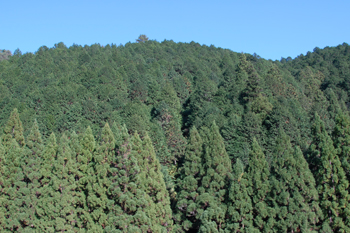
{"x": 88, "y": 141}
{"x": 282, "y": 142}
{"x": 34, "y": 139}
{"x": 195, "y": 143}
{"x": 258, "y": 169}
{"x": 216, "y": 154}
{"x": 64, "y": 157}
{"x": 51, "y": 147}
{"x": 13, "y": 129}
{"x": 107, "y": 137}
{"x": 74, "y": 143}
{"x": 147, "y": 139}
{"x": 116, "y": 129}
{"x": 120, "y": 134}
{"x": 238, "y": 170}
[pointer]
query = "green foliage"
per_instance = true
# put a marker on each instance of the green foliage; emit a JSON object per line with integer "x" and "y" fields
{"x": 240, "y": 208}
{"x": 13, "y": 130}
{"x": 170, "y": 126}
{"x": 189, "y": 183}
{"x": 259, "y": 187}
{"x": 97, "y": 182}
{"x": 293, "y": 192}
{"x": 32, "y": 176}
{"x": 98, "y": 200}
{"x": 341, "y": 135}
{"x": 142, "y": 38}
{"x": 152, "y": 183}
{"x": 215, "y": 181}
{"x": 12, "y": 187}
{"x": 332, "y": 184}
{"x": 130, "y": 209}
{"x": 64, "y": 188}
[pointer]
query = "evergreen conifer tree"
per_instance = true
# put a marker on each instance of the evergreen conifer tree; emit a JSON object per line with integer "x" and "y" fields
{"x": 129, "y": 210}
{"x": 31, "y": 168}
{"x": 12, "y": 184}
{"x": 331, "y": 181}
{"x": 64, "y": 187}
{"x": 98, "y": 200}
{"x": 152, "y": 183}
{"x": 293, "y": 193}
{"x": 13, "y": 130}
{"x": 240, "y": 209}
{"x": 2, "y": 182}
{"x": 85, "y": 176}
{"x": 12, "y": 187}
{"x": 215, "y": 182}
{"x": 188, "y": 182}
{"x": 341, "y": 138}
{"x": 258, "y": 176}
{"x": 172, "y": 131}
{"x": 45, "y": 208}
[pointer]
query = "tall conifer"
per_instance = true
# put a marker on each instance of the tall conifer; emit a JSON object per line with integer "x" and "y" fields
{"x": 31, "y": 168}
{"x": 332, "y": 184}
{"x": 45, "y": 208}
{"x": 64, "y": 187}
{"x": 188, "y": 182}
{"x": 240, "y": 209}
{"x": 341, "y": 138}
{"x": 13, "y": 130}
{"x": 98, "y": 201}
{"x": 13, "y": 192}
{"x": 85, "y": 176}
{"x": 12, "y": 186}
{"x": 215, "y": 182}
{"x": 293, "y": 191}
{"x": 2, "y": 180}
{"x": 152, "y": 183}
{"x": 258, "y": 176}
{"x": 128, "y": 212}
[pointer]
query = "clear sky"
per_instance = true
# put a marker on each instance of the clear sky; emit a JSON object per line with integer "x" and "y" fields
{"x": 272, "y": 29}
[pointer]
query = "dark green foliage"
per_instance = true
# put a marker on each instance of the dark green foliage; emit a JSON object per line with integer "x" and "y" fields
{"x": 13, "y": 130}
{"x": 98, "y": 200}
{"x": 240, "y": 208}
{"x": 12, "y": 187}
{"x": 32, "y": 176}
{"x": 152, "y": 183}
{"x": 188, "y": 184}
{"x": 331, "y": 180}
{"x": 215, "y": 182}
{"x": 45, "y": 208}
{"x": 85, "y": 176}
{"x": 130, "y": 210}
{"x": 162, "y": 89}
{"x": 2, "y": 182}
{"x": 169, "y": 123}
{"x": 293, "y": 192}
{"x": 341, "y": 135}
{"x": 258, "y": 177}
{"x": 64, "y": 188}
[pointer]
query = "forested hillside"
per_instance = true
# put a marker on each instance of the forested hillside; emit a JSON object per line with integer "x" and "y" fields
{"x": 173, "y": 137}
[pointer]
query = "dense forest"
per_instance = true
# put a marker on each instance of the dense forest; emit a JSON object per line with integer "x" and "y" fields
{"x": 173, "y": 137}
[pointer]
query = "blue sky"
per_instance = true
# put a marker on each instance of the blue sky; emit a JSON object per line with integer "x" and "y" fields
{"x": 272, "y": 29}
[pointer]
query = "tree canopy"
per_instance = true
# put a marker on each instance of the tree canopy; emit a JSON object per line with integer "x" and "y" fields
{"x": 173, "y": 137}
